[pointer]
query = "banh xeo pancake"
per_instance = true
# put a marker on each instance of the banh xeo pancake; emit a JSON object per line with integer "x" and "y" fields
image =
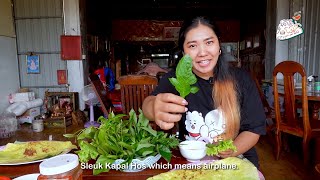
{"x": 34, "y": 150}
{"x": 237, "y": 169}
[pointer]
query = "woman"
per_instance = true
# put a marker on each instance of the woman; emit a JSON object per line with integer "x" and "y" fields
{"x": 227, "y": 104}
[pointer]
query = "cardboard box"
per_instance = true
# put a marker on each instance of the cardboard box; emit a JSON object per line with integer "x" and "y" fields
{"x": 29, "y": 115}
{"x": 21, "y": 97}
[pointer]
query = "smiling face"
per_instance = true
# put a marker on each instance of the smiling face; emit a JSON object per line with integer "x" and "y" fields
{"x": 202, "y": 44}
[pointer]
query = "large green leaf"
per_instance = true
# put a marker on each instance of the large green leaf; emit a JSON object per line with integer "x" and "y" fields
{"x": 185, "y": 77}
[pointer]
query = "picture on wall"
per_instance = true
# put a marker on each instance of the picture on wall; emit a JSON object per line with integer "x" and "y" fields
{"x": 62, "y": 77}
{"x": 171, "y": 33}
{"x": 33, "y": 64}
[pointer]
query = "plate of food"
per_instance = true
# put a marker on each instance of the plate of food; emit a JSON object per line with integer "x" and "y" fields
{"x": 33, "y": 151}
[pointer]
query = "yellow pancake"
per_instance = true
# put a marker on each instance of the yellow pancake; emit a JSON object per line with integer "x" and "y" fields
{"x": 31, "y": 151}
{"x": 229, "y": 168}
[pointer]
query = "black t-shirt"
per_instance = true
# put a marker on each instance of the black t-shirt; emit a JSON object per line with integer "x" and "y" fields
{"x": 203, "y": 122}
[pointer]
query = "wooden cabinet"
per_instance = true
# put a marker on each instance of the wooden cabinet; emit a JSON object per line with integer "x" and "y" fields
{"x": 148, "y": 30}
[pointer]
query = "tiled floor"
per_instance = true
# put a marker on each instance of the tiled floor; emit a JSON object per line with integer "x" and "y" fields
{"x": 289, "y": 166}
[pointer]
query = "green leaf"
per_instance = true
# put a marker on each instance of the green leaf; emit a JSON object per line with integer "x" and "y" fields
{"x": 185, "y": 77}
{"x": 146, "y": 153}
{"x": 133, "y": 117}
{"x": 144, "y": 145}
{"x": 125, "y": 145}
{"x": 143, "y": 152}
{"x": 194, "y": 89}
{"x": 102, "y": 160}
{"x": 69, "y": 135}
{"x": 150, "y": 130}
{"x": 88, "y": 151}
{"x": 165, "y": 153}
{"x": 174, "y": 82}
{"x": 87, "y": 133}
{"x": 214, "y": 149}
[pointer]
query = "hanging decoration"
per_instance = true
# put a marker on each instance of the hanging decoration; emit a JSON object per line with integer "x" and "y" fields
{"x": 33, "y": 63}
{"x": 289, "y": 28}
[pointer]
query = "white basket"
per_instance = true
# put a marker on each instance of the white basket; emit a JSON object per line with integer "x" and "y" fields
{"x": 136, "y": 165}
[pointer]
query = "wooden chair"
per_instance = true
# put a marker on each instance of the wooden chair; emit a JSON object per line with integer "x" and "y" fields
{"x": 289, "y": 122}
{"x": 102, "y": 93}
{"x": 134, "y": 89}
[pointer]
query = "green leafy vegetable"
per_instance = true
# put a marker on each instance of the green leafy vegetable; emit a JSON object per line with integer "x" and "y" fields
{"x": 214, "y": 149}
{"x": 185, "y": 77}
{"x": 122, "y": 139}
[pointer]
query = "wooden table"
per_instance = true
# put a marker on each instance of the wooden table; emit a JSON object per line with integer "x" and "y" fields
{"x": 26, "y": 134}
{"x": 19, "y": 170}
{"x": 314, "y": 102}
{"x": 313, "y": 99}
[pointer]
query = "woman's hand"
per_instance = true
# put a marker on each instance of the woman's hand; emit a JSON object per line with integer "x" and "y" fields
{"x": 167, "y": 109}
{"x": 225, "y": 154}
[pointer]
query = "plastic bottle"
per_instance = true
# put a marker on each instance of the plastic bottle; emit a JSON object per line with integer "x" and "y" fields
{"x": 61, "y": 167}
{"x": 310, "y": 83}
{"x": 316, "y": 85}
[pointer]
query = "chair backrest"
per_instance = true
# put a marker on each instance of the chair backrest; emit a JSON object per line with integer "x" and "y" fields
{"x": 152, "y": 69}
{"x": 134, "y": 89}
{"x": 289, "y": 122}
{"x": 101, "y": 92}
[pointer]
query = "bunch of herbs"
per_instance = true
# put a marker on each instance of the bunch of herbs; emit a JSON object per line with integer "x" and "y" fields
{"x": 117, "y": 138}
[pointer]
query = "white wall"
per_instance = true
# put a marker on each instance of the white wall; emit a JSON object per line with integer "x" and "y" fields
{"x": 9, "y": 76}
{"x": 75, "y": 67}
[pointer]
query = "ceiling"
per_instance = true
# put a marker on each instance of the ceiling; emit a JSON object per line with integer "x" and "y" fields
{"x": 246, "y": 12}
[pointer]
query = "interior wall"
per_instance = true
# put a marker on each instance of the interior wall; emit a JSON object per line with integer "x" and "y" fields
{"x": 75, "y": 67}
{"x": 9, "y": 78}
{"x": 39, "y": 25}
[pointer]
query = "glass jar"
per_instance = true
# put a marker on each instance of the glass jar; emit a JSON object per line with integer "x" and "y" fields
{"x": 8, "y": 124}
{"x": 37, "y": 125}
{"x": 63, "y": 167}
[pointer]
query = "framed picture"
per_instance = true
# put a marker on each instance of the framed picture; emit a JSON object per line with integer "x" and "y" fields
{"x": 62, "y": 77}
{"x": 171, "y": 33}
{"x": 61, "y": 103}
{"x": 33, "y": 64}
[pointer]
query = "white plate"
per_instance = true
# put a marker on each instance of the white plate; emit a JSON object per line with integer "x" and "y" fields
{"x": 27, "y": 162}
{"x": 28, "y": 177}
{"x": 137, "y": 164}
